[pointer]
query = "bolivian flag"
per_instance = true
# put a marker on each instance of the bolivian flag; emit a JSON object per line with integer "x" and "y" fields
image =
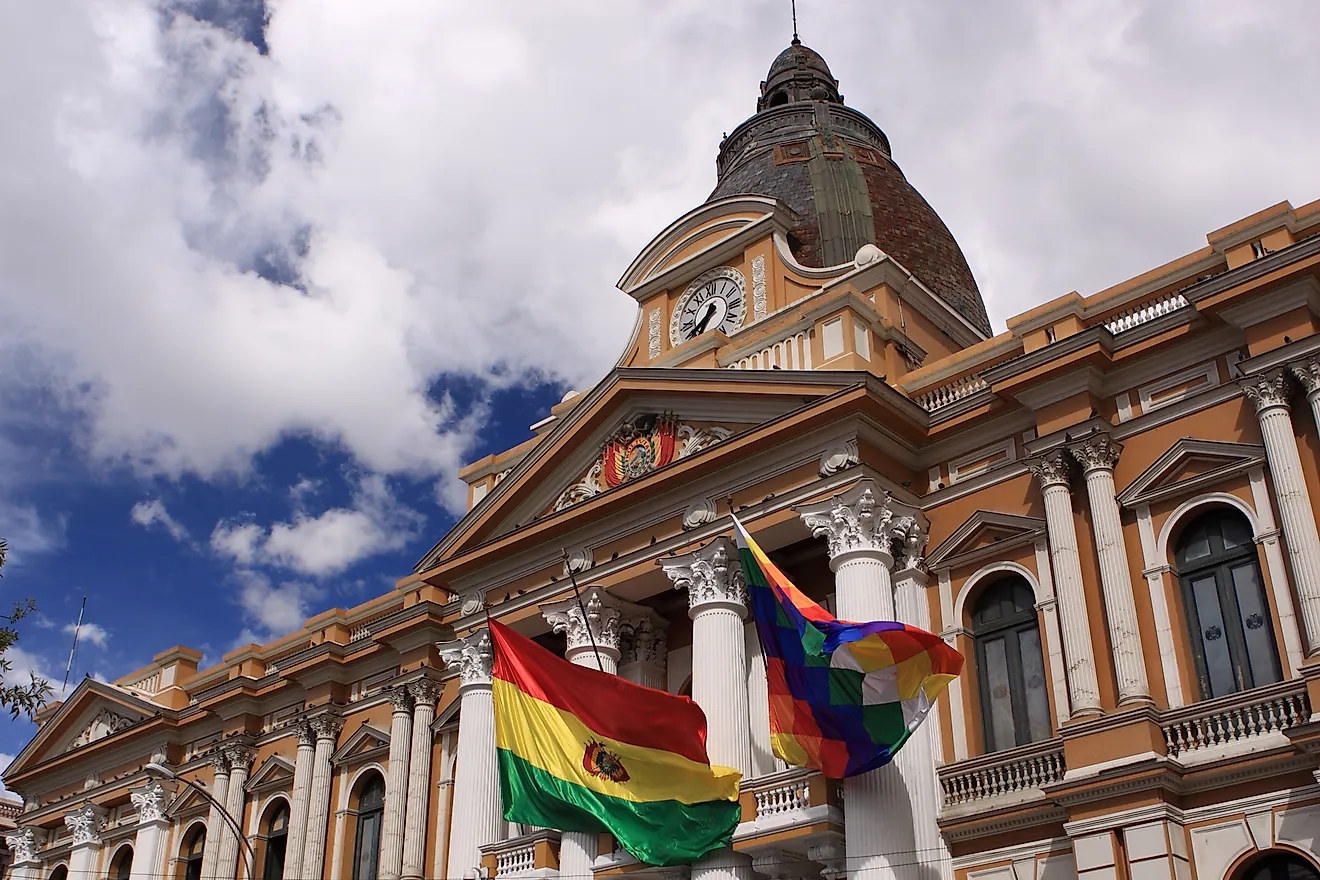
{"x": 581, "y": 750}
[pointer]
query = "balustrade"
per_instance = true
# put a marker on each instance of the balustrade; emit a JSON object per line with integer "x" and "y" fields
{"x": 518, "y": 856}
{"x": 793, "y": 352}
{"x": 1009, "y": 772}
{"x": 1144, "y": 313}
{"x": 1235, "y": 718}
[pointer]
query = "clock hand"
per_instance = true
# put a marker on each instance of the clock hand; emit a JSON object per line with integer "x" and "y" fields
{"x": 701, "y": 325}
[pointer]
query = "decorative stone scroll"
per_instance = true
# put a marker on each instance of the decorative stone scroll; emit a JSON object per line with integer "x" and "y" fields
{"x": 710, "y": 575}
{"x": 1267, "y": 391}
{"x": 104, "y": 724}
{"x": 594, "y": 622}
{"x": 653, "y": 324}
{"x": 86, "y": 824}
{"x": 699, "y": 512}
{"x": 473, "y": 656}
{"x": 25, "y": 843}
{"x": 149, "y": 801}
{"x": 838, "y": 456}
{"x": 758, "y": 287}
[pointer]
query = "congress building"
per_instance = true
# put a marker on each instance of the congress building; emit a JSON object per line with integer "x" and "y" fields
{"x": 1109, "y": 509}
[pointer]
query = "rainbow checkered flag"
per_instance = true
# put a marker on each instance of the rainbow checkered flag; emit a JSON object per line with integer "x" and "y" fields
{"x": 844, "y": 697}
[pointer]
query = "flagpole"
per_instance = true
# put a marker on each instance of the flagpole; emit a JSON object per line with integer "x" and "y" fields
{"x": 586, "y": 623}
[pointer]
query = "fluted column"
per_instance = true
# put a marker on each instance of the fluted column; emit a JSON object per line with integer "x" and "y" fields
{"x": 86, "y": 824}
{"x": 478, "y": 819}
{"x": 215, "y": 837}
{"x": 916, "y": 761}
{"x": 396, "y": 784}
{"x": 326, "y": 728}
{"x": 424, "y": 694}
{"x": 717, "y": 604}
{"x": 859, "y": 527}
{"x": 302, "y": 790}
{"x": 592, "y": 627}
{"x": 1052, "y": 472}
{"x": 1098, "y": 454}
{"x": 1269, "y": 395}
{"x": 25, "y": 844}
{"x": 239, "y": 757}
{"x": 153, "y": 826}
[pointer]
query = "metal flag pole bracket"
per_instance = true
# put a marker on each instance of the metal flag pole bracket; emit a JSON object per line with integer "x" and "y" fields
{"x": 586, "y": 621}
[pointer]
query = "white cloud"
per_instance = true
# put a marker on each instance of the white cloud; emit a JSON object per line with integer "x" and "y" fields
{"x": 89, "y": 633}
{"x": 273, "y": 610}
{"x": 153, "y": 512}
{"x": 5, "y": 761}
{"x": 328, "y": 543}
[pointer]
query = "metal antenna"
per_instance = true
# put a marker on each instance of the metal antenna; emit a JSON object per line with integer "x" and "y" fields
{"x": 77, "y": 628}
{"x": 793, "y": 4}
{"x": 568, "y": 567}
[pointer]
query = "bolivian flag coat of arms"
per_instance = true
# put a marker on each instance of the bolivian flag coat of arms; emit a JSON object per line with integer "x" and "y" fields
{"x": 639, "y": 448}
{"x": 581, "y": 750}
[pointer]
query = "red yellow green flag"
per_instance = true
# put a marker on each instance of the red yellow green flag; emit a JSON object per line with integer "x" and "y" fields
{"x": 581, "y": 750}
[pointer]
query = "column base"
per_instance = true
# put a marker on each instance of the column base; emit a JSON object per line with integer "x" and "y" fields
{"x": 723, "y": 864}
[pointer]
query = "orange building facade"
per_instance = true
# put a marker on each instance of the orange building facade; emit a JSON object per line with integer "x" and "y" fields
{"x": 1107, "y": 508}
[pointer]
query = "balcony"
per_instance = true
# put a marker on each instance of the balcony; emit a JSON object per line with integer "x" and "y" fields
{"x": 535, "y": 854}
{"x": 1001, "y": 779}
{"x": 1235, "y": 725}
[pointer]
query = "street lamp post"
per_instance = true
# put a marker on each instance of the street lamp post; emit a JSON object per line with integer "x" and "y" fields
{"x": 157, "y": 769}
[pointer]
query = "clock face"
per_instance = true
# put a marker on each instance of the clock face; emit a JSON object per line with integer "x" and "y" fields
{"x": 715, "y": 301}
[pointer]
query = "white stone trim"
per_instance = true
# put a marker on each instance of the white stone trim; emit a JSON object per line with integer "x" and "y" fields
{"x": 985, "y": 571}
{"x": 1154, "y": 572}
{"x": 949, "y": 629}
{"x": 1204, "y": 500}
{"x": 1207, "y": 372}
{"x": 984, "y": 457}
{"x": 260, "y": 808}
{"x": 1267, "y": 535}
{"x": 346, "y": 792}
{"x": 1049, "y": 605}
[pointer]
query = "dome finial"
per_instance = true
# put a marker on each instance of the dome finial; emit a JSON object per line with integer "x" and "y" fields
{"x": 793, "y": 5}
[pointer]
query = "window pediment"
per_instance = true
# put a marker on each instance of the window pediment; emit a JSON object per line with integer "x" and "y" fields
{"x": 1191, "y": 465}
{"x": 984, "y": 535}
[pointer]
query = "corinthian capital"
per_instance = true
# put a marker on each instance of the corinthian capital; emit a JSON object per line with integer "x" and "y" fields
{"x": 859, "y": 519}
{"x": 327, "y": 727}
{"x": 645, "y": 639}
{"x": 712, "y": 575}
{"x": 473, "y": 656}
{"x": 1096, "y": 452}
{"x": 400, "y": 697}
{"x": 910, "y": 539}
{"x": 1053, "y": 468}
{"x": 424, "y": 692}
{"x": 150, "y": 801}
{"x": 1267, "y": 391}
{"x": 1307, "y": 373}
{"x": 592, "y": 622}
{"x": 240, "y": 757}
{"x": 25, "y": 843}
{"x": 85, "y": 823}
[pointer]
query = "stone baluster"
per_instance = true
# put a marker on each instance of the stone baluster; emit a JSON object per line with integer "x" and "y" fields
{"x": 26, "y": 845}
{"x": 1052, "y": 473}
{"x": 1098, "y": 454}
{"x": 858, "y": 528}
{"x": 302, "y": 790}
{"x": 153, "y": 826}
{"x": 215, "y": 819}
{"x": 478, "y": 819}
{"x": 239, "y": 756}
{"x": 1269, "y": 395}
{"x": 592, "y": 629}
{"x": 86, "y": 824}
{"x": 396, "y": 784}
{"x": 326, "y": 728}
{"x": 717, "y": 604}
{"x": 424, "y": 695}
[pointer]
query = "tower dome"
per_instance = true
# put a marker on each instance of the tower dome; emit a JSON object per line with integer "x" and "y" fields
{"x": 832, "y": 165}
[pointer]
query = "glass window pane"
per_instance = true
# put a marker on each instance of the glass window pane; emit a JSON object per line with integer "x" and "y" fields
{"x": 1236, "y": 531}
{"x": 1195, "y": 544}
{"x": 1214, "y": 641}
{"x": 1256, "y": 629}
{"x": 999, "y": 699}
{"x": 1022, "y": 598}
{"x": 368, "y": 846}
{"x": 990, "y": 609}
{"x": 1033, "y": 676}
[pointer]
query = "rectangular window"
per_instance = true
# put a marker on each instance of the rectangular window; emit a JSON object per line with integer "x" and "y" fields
{"x": 831, "y": 338}
{"x": 1002, "y": 730}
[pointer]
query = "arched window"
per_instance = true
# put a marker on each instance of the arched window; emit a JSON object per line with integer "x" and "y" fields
{"x": 61, "y": 872}
{"x": 277, "y": 840}
{"x": 1279, "y": 865}
{"x": 1231, "y": 632}
{"x": 1015, "y": 708}
{"x": 371, "y": 806}
{"x": 190, "y": 854}
{"x": 122, "y": 863}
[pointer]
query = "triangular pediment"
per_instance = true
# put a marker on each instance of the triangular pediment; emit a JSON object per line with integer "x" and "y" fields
{"x": 187, "y": 800}
{"x": 985, "y": 533}
{"x": 277, "y": 772}
{"x": 565, "y": 468}
{"x": 95, "y": 711}
{"x": 1191, "y": 464}
{"x": 364, "y": 743}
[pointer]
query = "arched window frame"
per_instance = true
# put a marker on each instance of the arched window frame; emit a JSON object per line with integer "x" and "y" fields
{"x": 1217, "y": 565}
{"x": 192, "y": 847}
{"x": 273, "y": 841}
{"x": 59, "y": 872}
{"x": 1248, "y": 866}
{"x": 365, "y": 865}
{"x": 121, "y": 863}
{"x": 990, "y": 579}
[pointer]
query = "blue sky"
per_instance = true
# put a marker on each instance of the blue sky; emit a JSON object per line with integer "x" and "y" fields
{"x": 270, "y": 275}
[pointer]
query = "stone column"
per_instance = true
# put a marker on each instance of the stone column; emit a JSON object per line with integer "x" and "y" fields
{"x": 1098, "y": 454}
{"x": 1269, "y": 395}
{"x": 396, "y": 784}
{"x": 1052, "y": 471}
{"x": 326, "y": 728}
{"x": 858, "y": 526}
{"x": 916, "y": 762}
{"x": 25, "y": 844}
{"x": 478, "y": 819}
{"x": 149, "y": 843}
{"x": 644, "y": 645}
{"x": 717, "y": 604}
{"x": 424, "y": 694}
{"x": 232, "y": 849}
{"x": 592, "y": 629}
{"x": 215, "y": 822}
{"x": 86, "y": 823}
{"x": 302, "y": 790}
